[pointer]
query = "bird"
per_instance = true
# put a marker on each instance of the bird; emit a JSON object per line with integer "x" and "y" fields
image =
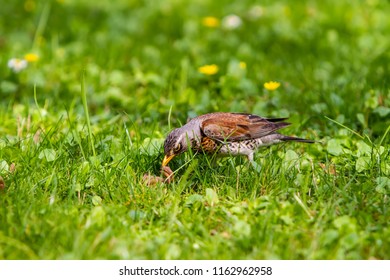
{"x": 226, "y": 134}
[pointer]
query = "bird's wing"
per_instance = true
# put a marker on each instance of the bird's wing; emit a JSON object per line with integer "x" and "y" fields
{"x": 236, "y": 126}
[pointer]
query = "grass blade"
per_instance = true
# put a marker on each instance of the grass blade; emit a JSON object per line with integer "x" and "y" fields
{"x": 384, "y": 135}
{"x": 85, "y": 105}
{"x": 343, "y": 126}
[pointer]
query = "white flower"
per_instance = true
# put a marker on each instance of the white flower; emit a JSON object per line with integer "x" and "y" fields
{"x": 16, "y": 64}
{"x": 231, "y": 22}
{"x": 256, "y": 12}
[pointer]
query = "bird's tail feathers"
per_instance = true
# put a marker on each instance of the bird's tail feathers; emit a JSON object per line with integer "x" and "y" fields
{"x": 276, "y": 119}
{"x": 296, "y": 139}
{"x": 280, "y": 125}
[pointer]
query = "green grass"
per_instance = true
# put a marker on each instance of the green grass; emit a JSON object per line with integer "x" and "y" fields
{"x": 81, "y": 126}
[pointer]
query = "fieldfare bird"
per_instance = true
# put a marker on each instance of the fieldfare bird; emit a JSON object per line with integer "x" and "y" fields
{"x": 226, "y": 134}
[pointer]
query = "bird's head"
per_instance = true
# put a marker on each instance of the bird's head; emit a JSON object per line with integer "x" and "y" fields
{"x": 175, "y": 144}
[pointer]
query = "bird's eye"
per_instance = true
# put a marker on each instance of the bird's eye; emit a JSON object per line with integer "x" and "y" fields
{"x": 177, "y": 148}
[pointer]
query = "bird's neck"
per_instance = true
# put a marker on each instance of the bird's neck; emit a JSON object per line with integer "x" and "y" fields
{"x": 192, "y": 133}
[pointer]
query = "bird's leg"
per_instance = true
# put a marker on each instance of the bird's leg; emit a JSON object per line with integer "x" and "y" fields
{"x": 254, "y": 164}
{"x": 250, "y": 157}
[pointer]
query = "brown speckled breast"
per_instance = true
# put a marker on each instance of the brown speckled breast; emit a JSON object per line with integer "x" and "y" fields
{"x": 207, "y": 145}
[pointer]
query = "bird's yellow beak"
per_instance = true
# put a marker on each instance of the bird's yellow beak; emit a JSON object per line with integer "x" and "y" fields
{"x": 167, "y": 159}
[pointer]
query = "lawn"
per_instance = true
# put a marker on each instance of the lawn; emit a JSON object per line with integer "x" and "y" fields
{"x": 90, "y": 89}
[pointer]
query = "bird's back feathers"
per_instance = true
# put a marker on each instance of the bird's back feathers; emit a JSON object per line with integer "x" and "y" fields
{"x": 238, "y": 126}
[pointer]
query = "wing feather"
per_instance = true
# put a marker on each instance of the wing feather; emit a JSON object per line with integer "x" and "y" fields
{"x": 237, "y": 127}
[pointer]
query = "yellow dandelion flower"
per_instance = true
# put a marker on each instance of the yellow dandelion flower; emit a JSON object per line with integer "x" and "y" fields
{"x": 29, "y": 5}
{"x": 208, "y": 69}
{"x": 31, "y": 57}
{"x": 210, "y": 21}
{"x": 242, "y": 65}
{"x": 271, "y": 85}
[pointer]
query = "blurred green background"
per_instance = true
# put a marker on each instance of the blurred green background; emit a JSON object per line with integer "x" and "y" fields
{"x": 142, "y": 57}
{"x": 67, "y": 195}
